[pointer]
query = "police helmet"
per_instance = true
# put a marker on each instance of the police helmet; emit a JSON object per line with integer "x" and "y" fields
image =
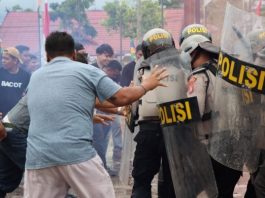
{"x": 257, "y": 40}
{"x": 156, "y": 40}
{"x": 196, "y": 35}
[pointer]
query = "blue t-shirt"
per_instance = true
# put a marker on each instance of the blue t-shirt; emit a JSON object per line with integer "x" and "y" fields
{"x": 61, "y": 98}
{"x": 12, "y": 87}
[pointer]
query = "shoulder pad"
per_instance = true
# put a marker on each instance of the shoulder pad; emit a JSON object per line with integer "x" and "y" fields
{"x": 144, "y": 65}
{"x": 197, "y": 71}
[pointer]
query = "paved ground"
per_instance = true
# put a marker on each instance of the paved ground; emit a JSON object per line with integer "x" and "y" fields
{"x": 124, "y": 191}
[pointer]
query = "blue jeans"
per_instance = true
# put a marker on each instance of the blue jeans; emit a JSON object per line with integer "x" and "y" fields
{"x": 12, "y": 161}
{"x": 117, "y": 139}
{"x": 101, "y": 136}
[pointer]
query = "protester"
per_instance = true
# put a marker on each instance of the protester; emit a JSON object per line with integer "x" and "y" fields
{"x": 102, "y": 132}
{"x": 14, "y": 81}
{"x": 104, "y": 55}
{"x": 128, "y": 70}
{"x": 25, "y": 56}
{"x": 81, "y": 53}
{"x": 33, "y": 64}
{"x": 60, "y": 151}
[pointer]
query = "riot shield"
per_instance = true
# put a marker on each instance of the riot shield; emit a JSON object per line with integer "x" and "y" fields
{"x": 260, "y": 60}
{"x": 130, "y": 131}
{"x": 189, "y": 161}
{"x": 238, "y": 89}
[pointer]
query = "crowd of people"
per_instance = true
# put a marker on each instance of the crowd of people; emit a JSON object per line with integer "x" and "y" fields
{"x": 57, "y": 119}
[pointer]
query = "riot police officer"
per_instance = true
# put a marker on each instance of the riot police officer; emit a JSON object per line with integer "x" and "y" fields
{"x": 196, "y": 40}
{"x": 258, "y": 178}
{"x": 257, "y": 39}
{"x": 150, "y": 148}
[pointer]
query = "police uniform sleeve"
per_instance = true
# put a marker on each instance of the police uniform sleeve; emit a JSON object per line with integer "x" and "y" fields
{"x": 197, "y": 86}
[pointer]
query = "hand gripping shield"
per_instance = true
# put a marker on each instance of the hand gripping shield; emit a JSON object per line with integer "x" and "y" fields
{"x": 189, "y": 161}
{"x": 236, "y": 118}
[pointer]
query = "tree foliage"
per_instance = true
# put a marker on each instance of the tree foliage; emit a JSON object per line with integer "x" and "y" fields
{"x": 72, "y": 15}
{"x": 125, "y": 15}
{"x": 172, "y": 3}
{"x": 16, "y": 8}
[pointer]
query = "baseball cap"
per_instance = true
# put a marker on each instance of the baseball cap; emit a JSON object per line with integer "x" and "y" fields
{"x": 12, "y": 51}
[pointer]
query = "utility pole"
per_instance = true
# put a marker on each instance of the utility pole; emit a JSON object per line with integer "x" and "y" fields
{"x": 121, "y": 28}
{"x": 197, "y": 11}
{"x": 189, "y": 12}
{"x": 162, "y": 13}
{"x": 39, "y": 32}
{"x": 139, "y": 18}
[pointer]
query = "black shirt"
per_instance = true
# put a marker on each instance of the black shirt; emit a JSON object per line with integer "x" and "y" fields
{"x": 12, "y": 87}
{"x": 127, "y": 74}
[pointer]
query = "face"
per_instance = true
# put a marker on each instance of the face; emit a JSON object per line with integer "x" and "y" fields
{"x": 104, "y": 59}
{"x": 9, "y": 62}
{"x": 113, "y": 73}
{"x": 33, "y": 65}
{"x": 25, "y": 56}
{"x": 139, "y": 54}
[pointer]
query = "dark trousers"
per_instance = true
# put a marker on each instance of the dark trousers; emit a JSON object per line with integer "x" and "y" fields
{"x": 258, "y": 178}
{"x": 12, "y": 161}
{"x": 226, "y": 180}
{"x": 150, "y": 150}
{"x": 259, "y": 182}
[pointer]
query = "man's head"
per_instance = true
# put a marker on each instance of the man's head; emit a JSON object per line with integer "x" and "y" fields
{"x": 34, "y": 63}
{"x": 24, "y": 53}
{"x": 59, "y": 44}
{"x": 79, "y": 57}
{"x": 113, "y": 70}
{"x": 11, "y": 59}
{"x": 81, "y": 53}
{"x": 139, "y": 52}
{"x": 156, "y": 40}
{"x": 104, "y": 54}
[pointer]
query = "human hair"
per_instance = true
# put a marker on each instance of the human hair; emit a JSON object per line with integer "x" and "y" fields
{"x": 105, "y": 49}
{"x": 79, "y": 57}
{"x": 32, "y": 56}
{"x": 79, "y": 46}
{"x": 22, "y": 48}
{"x": 114, "y": 64}
{"x": 138, "y": 48}
{"x": 59, "y": 44}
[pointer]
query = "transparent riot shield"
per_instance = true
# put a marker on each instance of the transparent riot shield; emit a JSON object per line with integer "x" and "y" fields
{"x": 239, "y": 85}
{"x": 189, "y": 161}
{"x": 260, "y": 61}
{"x": 130, "y": 131}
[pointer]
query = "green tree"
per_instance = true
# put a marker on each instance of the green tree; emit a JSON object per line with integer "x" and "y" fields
{"x": 28, "y": 10}
{"x": 172, "y": 3}
{"x": 16, "y": 8}
{"x": 72, "y": 15}
{"x": 124, "y": 15}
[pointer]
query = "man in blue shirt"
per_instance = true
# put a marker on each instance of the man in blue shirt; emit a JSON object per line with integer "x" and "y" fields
{"x": 61, "y": 98}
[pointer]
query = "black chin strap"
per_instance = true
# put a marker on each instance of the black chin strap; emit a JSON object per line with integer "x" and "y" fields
{"x": 194, "y": 56}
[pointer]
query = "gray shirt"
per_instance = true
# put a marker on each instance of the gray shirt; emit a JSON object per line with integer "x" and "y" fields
{"x": 61, "y": 98}
{"x": 19, "y": 115}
